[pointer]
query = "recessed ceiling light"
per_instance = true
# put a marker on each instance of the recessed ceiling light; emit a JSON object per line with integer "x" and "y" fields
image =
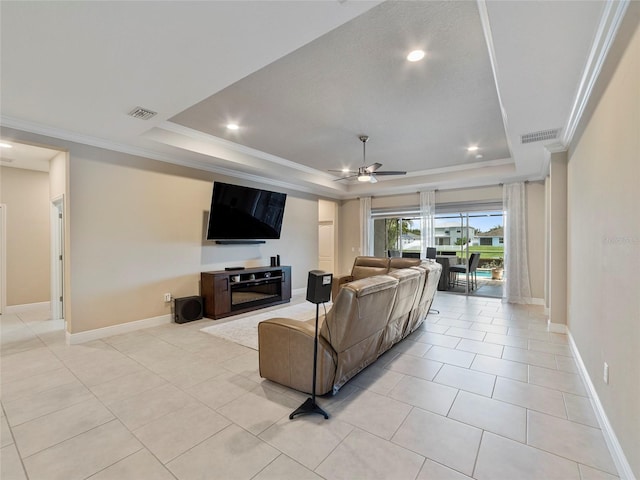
{"x": 345, "y": 170}
{"x": 416, "y": 55}
{"x": 5, "y": 145}
{"x": 232, "y": 126}
{"x": 473, "y": 148}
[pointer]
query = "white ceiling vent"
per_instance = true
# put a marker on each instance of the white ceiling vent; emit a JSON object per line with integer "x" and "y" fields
{"x": 550, "y": 134}
{"x": 142, "y": 113}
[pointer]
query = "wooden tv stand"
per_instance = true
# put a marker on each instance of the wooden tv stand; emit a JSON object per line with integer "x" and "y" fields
{"x": 229, "y": 292}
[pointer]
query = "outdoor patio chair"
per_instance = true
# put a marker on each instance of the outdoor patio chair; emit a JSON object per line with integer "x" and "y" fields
{"x": 474, "y": 260}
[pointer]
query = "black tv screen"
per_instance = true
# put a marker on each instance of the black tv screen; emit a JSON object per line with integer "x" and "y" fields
{"x": 244, "y": 213}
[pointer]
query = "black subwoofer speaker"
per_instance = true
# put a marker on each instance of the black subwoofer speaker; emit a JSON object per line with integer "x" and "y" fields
{"x": 188, "y": 309}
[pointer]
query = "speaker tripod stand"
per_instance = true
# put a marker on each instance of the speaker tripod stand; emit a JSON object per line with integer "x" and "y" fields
{"x": 310, "y": 406}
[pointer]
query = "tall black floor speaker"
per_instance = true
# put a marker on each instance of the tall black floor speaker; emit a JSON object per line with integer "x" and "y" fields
{"x": 188, "y": 309}
{"x": 318, "y": 291}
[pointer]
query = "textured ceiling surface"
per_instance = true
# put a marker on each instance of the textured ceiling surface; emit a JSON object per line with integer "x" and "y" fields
{"x": 304, "y": 79}
{"x": 310, "y": 106}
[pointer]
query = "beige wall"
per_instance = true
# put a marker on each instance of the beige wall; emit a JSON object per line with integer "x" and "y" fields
{"x": 26, "y": 194}
{"x": 557, "y": 231}
{"x": 137, "y": 229}
{"x": 349, "y": 222}
{"x": 479, "y": 194}
{"x": 536, "y": 238}
{"x": 604, "y": 249}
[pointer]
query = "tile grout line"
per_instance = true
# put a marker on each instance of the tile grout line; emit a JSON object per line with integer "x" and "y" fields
{"x": 15, "y": 444}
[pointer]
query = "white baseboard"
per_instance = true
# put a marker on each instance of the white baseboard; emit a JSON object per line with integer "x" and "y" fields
{"x": 98, "y": 333}
{"x": 526, "y": 301}
{"x": 617, "y": 454}
{"x": 27, "y": 307}
{"x": 298, "y": 291}
{"x": 556, "y": 327}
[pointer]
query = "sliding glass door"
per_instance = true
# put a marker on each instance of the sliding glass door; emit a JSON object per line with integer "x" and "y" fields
{"x": 474, "y": 242}
{"x": 467, "y": 236}
{"x": 397, "y": 236}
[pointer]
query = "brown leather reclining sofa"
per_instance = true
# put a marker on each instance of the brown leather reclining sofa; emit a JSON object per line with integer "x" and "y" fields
{"x": 368, "y": 316}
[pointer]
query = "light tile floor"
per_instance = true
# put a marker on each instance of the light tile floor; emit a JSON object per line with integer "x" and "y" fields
{"x": 482, "y": 390}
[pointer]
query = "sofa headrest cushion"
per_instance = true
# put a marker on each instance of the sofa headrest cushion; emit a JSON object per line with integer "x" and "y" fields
{"x": 399, "y": 262}
{"x": 369, "y": 285}
{"x": 359, "y": 272}
{"x": 405, "y": 274}
{"x": 378, "y": 262}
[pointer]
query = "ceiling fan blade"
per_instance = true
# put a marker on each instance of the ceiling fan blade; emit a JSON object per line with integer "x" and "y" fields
{"x": 344, "y": 178}
{"x": 373, "y": 167}
{"x": 373, "y": 179}
{"x": 391, "y": 172}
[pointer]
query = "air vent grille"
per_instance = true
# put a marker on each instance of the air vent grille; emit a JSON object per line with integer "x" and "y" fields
{"x": 550, "y": 134}
{"x": 142, "y": 113}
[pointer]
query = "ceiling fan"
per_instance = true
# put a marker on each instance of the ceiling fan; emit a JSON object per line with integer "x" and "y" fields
{"x": 367, "y": 173}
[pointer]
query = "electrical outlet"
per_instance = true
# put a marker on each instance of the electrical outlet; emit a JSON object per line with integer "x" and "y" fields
{"x": 606, "y": 373}
{"x": 167, "y": 297}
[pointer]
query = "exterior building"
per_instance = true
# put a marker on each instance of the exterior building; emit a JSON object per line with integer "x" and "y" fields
{"x": 452, "y": 233}
{"x": 492, "y": 238}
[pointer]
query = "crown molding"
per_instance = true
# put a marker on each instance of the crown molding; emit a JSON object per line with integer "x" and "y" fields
{"x": 61, "y": 134}
{"x": 612, "y": 16}
{"x": 488, "y": 36}
{"x": 228, "y": 144}
{"x": 351, "y": 191}
{"x": 556, "y": 147}
{"x": 463, "y": 167}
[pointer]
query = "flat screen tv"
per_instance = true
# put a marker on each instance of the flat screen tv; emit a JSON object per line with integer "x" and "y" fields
{"x": 244, "y": 213}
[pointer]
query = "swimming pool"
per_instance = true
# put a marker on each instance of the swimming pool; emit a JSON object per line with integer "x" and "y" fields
{"x": 483, "y": 273}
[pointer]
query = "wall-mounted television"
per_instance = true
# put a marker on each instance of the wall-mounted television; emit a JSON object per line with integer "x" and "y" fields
{"x": 244, "y": 213}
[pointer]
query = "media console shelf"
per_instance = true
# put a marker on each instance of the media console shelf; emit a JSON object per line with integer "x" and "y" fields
{"x": 229, "y": 292}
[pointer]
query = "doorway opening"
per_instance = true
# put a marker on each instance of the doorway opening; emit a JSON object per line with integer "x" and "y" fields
{"x": 3, "y": 259}
{"x": 327, "y": 236}
{"x": 57, "y": 259}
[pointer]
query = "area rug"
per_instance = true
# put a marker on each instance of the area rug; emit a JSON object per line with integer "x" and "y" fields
{"x": 244, "y": 331}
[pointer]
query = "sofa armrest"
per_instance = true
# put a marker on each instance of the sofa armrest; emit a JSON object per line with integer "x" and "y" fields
{"x": 285, "y": 348}
{"x": 337, "y": 284}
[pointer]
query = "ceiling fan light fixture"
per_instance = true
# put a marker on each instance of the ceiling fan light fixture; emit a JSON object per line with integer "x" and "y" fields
{"x": 416, "y": 55}
{"x": 366, "y": 173}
